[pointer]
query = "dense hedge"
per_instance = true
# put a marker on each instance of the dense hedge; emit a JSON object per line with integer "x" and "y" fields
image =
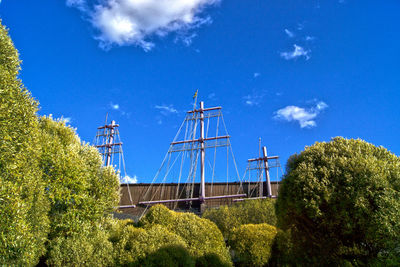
{"x": 245, "y": 212}
{"x": 341, "y": 202}
{"x": 252, "y": 244}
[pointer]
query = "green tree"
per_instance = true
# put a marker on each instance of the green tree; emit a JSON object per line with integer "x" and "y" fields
{"x": 23, "y": 205}
{"x": 341, "y": 202}
{"x": 80, "y": 190}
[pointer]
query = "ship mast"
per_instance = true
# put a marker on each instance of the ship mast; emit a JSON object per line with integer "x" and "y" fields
{"x": 200, "y": 144}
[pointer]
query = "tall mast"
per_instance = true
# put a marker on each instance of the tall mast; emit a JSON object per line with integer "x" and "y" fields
{"x": 203, "y": 153}
{"x": 110, "y": 143}
{"x": 267, "y": 171}
{"x": 105, "y": 142}
{"x": 262, "y": 163}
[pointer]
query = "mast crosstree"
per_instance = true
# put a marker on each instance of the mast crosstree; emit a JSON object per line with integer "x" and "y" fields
{"x": 109, "y": 144}
{"x": 262, "y": 165}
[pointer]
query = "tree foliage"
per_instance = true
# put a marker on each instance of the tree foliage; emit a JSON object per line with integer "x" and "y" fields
{"x": 245, "y": 212}
{"x": 252, "y": 244}
{"x": 23, "y": 206}
{"x": 80, "y": 191}
{"x": 341, "y": 202}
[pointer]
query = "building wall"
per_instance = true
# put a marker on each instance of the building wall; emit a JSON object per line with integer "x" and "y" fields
{"x": 146, "y": 192}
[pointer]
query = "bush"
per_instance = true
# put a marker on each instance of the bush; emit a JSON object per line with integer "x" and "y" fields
{"x": 245, "y": 212}
{"x": 133, "y": 245}
{"x": 85, "y": 249}
{"x": 341, "y": 202}
{"x": 252, "y": 244}
{"x": 201, "y": 235}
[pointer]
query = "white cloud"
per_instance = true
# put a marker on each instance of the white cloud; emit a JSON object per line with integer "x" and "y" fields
{"x": 129, "y": 180}
{"x": 135, "y": 22}
{"x": 114, "y": 106}
{"x": 166, "y": 110}
{"x": 305, "y": 117}
{"x": 289, "y": 33}
{"x": 256, "y": 74}
{"x": 253, "y": 99}
{"x": 185, "y": 39}
{"x": 296, "y": 53}
{"x": 309, "y": 38}
{"x": 321, "y": 105}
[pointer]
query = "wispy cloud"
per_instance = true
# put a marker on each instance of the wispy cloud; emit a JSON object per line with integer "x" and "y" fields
{"x": 304, "y": 116}
{"x": 128, "y": 22}
{"x": 166, "y": 109}
{"x": 296, "y": 53}
{"x": 212, "y": 96}
{"x": 290, "y": 34}
{"x": 186, "y": 39}
{"x": 309, "y": 38}
{"x": 129, "y": 180}
{"x": 114, "y": 106}
{"x": 256, "y": 74}
{"x": 253, "y": 99}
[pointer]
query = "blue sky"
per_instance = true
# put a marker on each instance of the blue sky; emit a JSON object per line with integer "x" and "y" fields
{"x": 290, "y": 72}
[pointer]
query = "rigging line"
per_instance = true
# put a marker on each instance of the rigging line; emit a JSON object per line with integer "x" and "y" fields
{"x": 155, "y": 176}
{"x": 194, "y": 176}
{"x": 192, "y": 145}
{"x": 158, "y": 188}
{"x": 208, "y": 125}
{"x": 248, "y": 184}
{"x": 180, "y": 171}
{"x": 165, "y": 177}
{"x": 124, "y": 166}
{"x": 236, "y": 168}
{"x": 227, "y": 169}
{"x": 188, "y": 178}
{"x": 233, "y": 156}
{"x": 215, "y": 154}
{"x": 163, "y": 162}
{"x": 168, "y": 170}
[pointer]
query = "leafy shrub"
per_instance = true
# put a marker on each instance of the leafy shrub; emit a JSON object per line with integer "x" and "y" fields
{"x": 133, "y": 245}
{"x": 84, "y": 249}
{"x": 158, "y": 214}
{"x": 245, "y": 212}
{"x": 201, "y": 235}
{"x": 340, "y": 201}
{"x": 252, "y": 244}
